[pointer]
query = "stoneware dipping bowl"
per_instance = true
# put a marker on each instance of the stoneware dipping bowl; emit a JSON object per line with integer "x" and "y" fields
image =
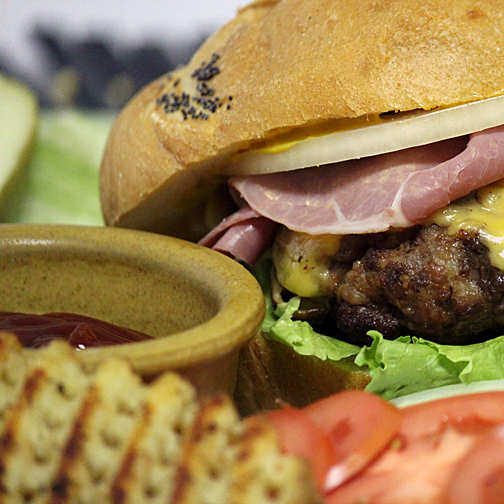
{"x": 200, "y": 306}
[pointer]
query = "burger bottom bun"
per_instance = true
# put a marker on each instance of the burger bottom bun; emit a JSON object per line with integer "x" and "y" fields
{"x": 271, "y": 374}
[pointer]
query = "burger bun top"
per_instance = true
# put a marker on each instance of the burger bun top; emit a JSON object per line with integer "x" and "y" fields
{"x": 289, "y": 66}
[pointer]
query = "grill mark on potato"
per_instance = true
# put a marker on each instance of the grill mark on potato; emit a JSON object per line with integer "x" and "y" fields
{"x": 8, "y": 435}
{"x": 114, "y": 439}
{"x": 118, "y": 488}
{"x": 73, "y": 449}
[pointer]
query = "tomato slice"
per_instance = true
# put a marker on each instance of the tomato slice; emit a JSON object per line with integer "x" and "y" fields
{"x": 479, "y": 477}
{"x": 435, "y": 444}
{"x": 363, "y": 449}
{"x": 360, "y": 425}
{"x": 301, "y": 436}
{"x": 471, "y": 412}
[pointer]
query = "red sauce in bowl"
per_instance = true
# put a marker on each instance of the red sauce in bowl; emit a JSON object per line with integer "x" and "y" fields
{"x": 80, "y": 331}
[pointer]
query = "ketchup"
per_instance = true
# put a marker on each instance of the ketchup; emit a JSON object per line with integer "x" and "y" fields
{"x": 80, "y": 331}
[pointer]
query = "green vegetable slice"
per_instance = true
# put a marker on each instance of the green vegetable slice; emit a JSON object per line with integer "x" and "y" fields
{"x": 18, "y": 127}
{"x": 61, "y": 185}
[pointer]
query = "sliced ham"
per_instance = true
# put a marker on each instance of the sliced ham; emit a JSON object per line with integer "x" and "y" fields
{"x": 368, "y": 195}
{"x": 373, "y": 194}
{"x": 244, "y": 235}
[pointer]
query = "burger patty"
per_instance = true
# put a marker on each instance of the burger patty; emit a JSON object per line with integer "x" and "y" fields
{"x": 420, "y": 282}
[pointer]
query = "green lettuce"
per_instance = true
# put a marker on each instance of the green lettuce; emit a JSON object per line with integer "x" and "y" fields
{"x": 407, "y": 365}
{"x": 397, "y": 367}
{"x": 61, "y": 182}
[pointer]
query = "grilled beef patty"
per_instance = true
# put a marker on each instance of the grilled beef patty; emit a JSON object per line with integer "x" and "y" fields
{"x": 418, "y": 282}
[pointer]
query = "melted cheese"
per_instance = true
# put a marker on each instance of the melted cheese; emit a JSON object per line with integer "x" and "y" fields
{"x": 483, "y": 212}
{"x": 302, "y": 262}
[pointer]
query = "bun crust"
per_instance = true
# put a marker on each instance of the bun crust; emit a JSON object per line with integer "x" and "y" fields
{"x": 288, "y": 64}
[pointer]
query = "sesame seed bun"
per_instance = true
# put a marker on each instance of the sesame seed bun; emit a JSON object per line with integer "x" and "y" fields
{"x": 282, "y": 65}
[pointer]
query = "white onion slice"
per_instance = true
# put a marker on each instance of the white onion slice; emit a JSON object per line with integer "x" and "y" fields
{"x": 390, "y": 133}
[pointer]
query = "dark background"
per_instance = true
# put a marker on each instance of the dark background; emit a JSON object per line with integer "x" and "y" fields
{"x": 97, "y": 53}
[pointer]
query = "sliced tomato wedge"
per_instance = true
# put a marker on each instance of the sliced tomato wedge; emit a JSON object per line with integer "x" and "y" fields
{"x": 363, "y": 449}
{"x": 479, "y": 477}
{"x": 471, "y": 412}
{"x": 360, "y": 425}
{"x": 301, "y": 436}
{"x": 432, "y": 455}
{"x": 339, "y": 434}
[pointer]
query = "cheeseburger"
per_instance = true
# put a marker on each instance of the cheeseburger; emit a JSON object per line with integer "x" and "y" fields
{"x": 352, "y": 153}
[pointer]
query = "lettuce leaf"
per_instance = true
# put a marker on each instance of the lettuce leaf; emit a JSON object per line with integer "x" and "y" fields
{"x": 60, "y": 185}
{"x": 301, "y": 336}
{"x": 405, "y": 365}
{"x": 278, "y": 324}
{"x": 397, "y": 367}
